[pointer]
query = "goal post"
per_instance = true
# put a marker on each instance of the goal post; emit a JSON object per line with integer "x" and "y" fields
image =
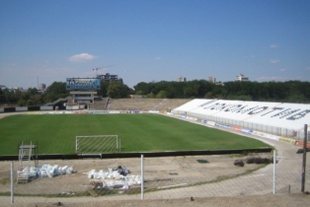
{"x": 97, "y": 144}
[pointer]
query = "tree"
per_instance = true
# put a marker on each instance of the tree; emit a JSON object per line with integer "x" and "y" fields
{"x": 55, "y": 91}
{"x": 161, "y": 94}
{"x": 31, "y": 97}
{"x": 2, "y": 100}
{"x": 10, "y": 96}
{"x": 142, "y": 88}
{"x": 118, "y": 90}
{"x": 104, "y": 88}
{"x": 191, "y": 90}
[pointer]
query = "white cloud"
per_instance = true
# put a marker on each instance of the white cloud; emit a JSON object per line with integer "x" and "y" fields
{"x": 273, "y": 46}
{"x": 274, "y": 61}
{"x": 81, "y": 57}
{"x": 283, "y": 69}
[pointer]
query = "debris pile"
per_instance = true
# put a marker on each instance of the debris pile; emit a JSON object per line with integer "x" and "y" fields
{"x": 258, "y": 160}
{"x": 252, "y": 160}
{"x": 45, "y": 170}
{"x": 119, "y": 177}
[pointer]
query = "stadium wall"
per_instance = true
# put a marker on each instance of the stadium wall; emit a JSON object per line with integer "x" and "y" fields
{"x": 273, "y": 118}
{"x": 26, "y": 108}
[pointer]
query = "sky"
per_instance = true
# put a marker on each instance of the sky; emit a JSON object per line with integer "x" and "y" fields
{"x": 43, "y": 41}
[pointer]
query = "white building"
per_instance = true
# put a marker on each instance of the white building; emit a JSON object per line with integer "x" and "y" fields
{"x": 212, "y": 79}
{"x": 182, "y": 79}
{"x": 241, "y": 77}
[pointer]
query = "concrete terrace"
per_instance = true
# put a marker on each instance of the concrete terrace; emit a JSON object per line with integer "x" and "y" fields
{"x": 145, "y": 104}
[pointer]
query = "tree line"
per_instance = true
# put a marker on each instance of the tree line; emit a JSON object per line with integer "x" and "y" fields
{"x": 290, "y": 91}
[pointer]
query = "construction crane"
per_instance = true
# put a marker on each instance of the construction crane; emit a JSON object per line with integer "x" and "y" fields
{"x": 105, "y": 67}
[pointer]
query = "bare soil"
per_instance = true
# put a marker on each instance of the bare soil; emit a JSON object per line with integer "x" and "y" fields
{"x": 293, "y": 200}
{"x": 159, "y": 173}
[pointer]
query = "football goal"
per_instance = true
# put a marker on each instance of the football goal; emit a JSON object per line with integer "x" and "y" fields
{"x": 97, "y": 144}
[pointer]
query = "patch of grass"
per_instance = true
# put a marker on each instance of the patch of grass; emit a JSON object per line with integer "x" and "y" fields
{"x": 202, "y": 161}
{"x": 4, "y": 181}
{"x": 55, "y": 134}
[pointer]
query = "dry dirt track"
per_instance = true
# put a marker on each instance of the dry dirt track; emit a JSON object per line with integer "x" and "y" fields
{"x": 296, "y": 200}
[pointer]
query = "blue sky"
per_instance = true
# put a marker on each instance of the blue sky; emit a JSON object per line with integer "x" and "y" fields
{"x": 153, "y": 40}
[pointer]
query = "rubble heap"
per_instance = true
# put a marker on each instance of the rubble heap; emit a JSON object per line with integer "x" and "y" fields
{"x": 46, "y": 170}
{"x": 119, "y": 177}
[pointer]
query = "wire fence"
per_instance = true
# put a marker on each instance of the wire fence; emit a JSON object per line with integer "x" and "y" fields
{"x": 156, "y": 177}
{"x": 297, "y": 134}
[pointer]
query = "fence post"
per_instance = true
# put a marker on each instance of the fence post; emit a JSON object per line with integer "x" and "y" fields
{"x": 142, "y": 177}
{"x": 274, "y": 171}
{"x": 304, "y": 157}
{"x": 12, "y": 182}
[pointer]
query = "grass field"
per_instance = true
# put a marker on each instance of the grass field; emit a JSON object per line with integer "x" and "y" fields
{"x": 139, "y": 132}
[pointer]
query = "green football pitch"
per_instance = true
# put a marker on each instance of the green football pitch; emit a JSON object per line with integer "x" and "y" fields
{"x": 55, "y": 134}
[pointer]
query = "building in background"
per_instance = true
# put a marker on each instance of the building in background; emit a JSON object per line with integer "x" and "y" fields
{"x": 109, "y": 78}
{"x": 241, "y": 78}
{"x": 182, "y": 79}
{"x": 42, "y": 87}
{"x": 212, "y": 79}
{"x": 82, "y": 90}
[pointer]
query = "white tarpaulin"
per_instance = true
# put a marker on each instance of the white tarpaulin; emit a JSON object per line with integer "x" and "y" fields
{"x": 114, "y": 178}
{"x": 46, "y": 170}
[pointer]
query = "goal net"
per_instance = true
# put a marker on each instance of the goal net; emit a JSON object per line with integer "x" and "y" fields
{"x": 97, "y": 144}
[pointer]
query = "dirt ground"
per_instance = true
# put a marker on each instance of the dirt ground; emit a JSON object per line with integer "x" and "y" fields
{"x": 296, "y": 200}
{"x": 159, "y": 172}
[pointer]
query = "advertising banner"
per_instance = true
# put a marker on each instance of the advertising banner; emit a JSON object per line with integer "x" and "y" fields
{"x": 83, "y": 84}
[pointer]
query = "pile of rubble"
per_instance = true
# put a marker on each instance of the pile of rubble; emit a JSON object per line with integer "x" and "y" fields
{"x": 45, "y": 170}
{"x": 252, "y": 160}
{"x": 119, "y": 177}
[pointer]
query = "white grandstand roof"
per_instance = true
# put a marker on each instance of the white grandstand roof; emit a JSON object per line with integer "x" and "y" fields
{"x": 276, "y": 114}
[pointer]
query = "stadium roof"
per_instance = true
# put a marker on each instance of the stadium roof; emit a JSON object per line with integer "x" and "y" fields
{"x": 276, "y": 114}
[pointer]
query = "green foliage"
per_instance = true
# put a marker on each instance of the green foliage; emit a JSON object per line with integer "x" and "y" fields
{"x": 30, "y": 97}
{"x": 104, "y": 88}
{"x": 161, "y": 94}
{"x": 142, "y": 88}
{"x": 139, "y": 132}
{"x": 55, "y": 91}
{"x": 117, "y": 90}
{"x": 290, "y": 91}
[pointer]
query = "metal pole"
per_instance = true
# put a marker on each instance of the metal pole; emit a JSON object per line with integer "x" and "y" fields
{"x": 274, "y": 171}
{"x": 76, "y": 145}
{"x": 142, "y": 177}
{"x": 304, "y": 157}
{"x": 117, "y": 148}
{"x": 119, "y": 144}
{"x": 12, "y": 182}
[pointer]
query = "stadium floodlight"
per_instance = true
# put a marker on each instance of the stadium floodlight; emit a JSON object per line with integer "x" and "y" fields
{"x": 97, "y": 144}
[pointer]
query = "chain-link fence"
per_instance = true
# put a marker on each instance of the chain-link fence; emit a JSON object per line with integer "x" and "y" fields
{"x": 155, "y": 177}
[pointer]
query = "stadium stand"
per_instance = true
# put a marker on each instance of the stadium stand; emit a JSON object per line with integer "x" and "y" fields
{"x": 145, "y": 104}
{"x": 100, "y": 104}
{"x": 281, "y": 119}
{"x": 126, "y": 104}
